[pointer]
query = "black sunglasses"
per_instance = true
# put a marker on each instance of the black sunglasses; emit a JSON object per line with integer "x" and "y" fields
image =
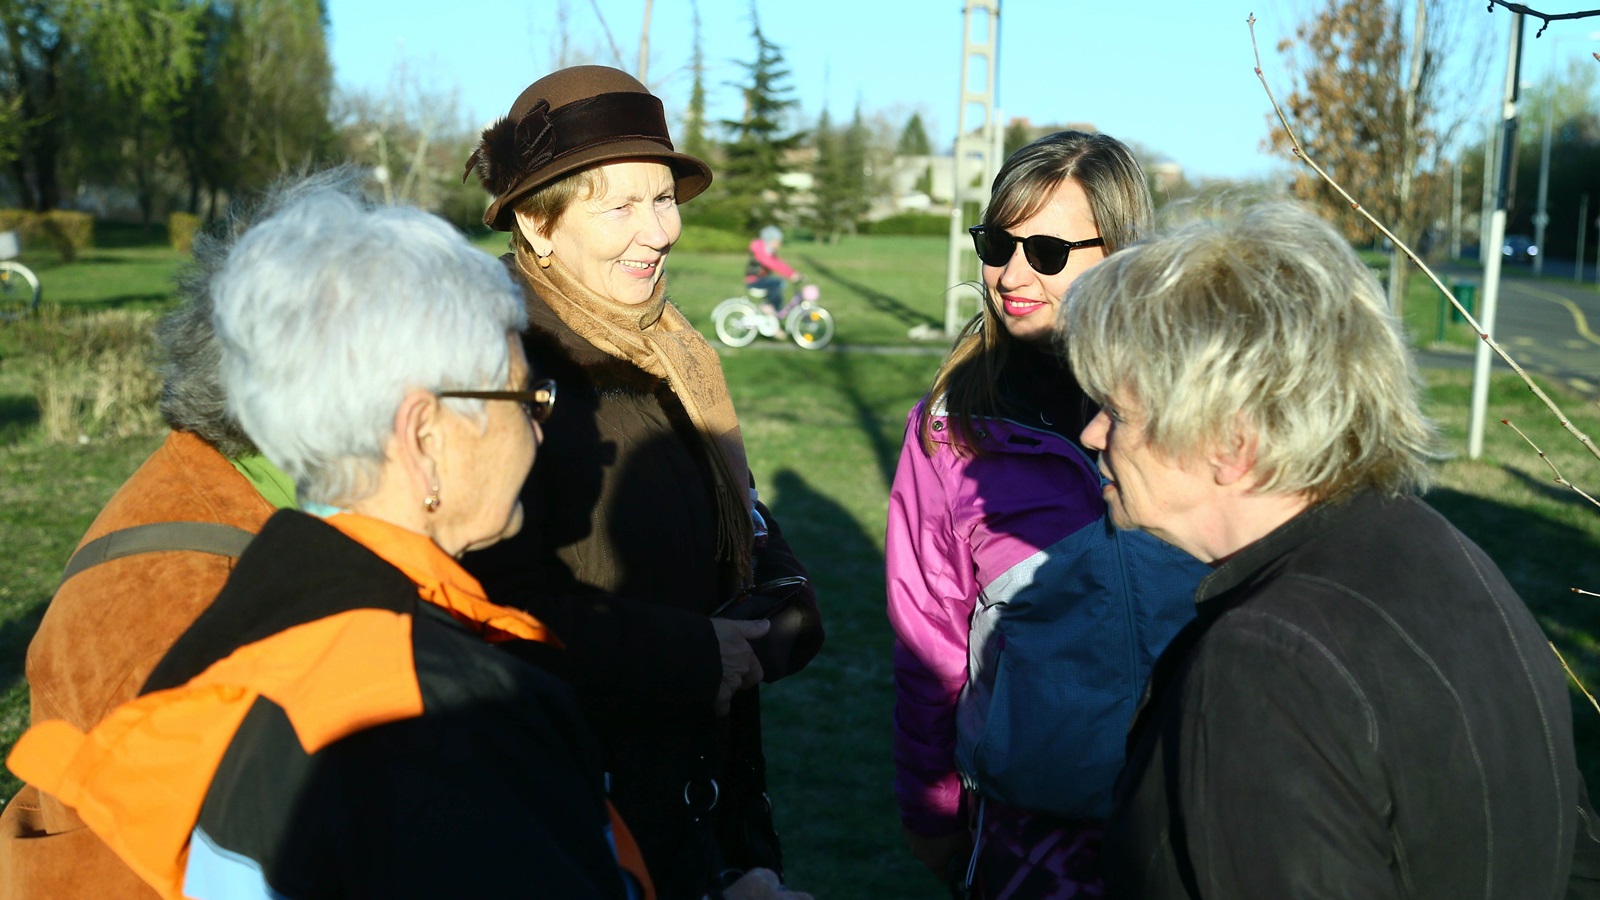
{"x": 1048, "y": 255}
{"x": 537, "y": 401}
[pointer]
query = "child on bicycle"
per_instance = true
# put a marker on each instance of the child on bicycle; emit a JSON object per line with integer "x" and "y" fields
{"x": 766, "y": 271}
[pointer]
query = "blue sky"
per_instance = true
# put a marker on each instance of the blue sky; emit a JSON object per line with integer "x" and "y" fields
{"x": 1173, "y": 75}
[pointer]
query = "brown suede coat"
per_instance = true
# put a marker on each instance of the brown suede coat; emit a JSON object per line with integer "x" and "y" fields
{"x": 104, "y": 631}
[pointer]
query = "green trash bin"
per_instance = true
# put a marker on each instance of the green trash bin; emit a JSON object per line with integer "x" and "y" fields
{"x": 1467, "y": 293}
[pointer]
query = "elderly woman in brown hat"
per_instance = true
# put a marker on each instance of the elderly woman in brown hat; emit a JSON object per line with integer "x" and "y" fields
{"x": 646, "y": 552}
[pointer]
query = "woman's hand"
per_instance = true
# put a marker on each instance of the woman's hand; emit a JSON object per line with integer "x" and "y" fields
{"x": 740, "y": 668}
{"x": 758, "y": 884}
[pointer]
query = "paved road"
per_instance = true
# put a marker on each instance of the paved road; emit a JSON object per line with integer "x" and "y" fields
{"x": 1548, "y": 326}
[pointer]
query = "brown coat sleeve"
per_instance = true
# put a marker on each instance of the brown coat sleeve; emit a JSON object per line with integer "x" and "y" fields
{"x": 104, "y": 631}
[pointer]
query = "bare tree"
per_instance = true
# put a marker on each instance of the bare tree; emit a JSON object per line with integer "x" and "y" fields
{"x": 1371, "y": 102}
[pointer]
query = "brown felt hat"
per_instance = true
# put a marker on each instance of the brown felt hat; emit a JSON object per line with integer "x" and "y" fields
{"x": 570, "y": 120}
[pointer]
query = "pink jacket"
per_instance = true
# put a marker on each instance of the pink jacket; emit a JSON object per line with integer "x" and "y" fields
{"x": 956, "y": 524}
{"x": 770, "y": 264}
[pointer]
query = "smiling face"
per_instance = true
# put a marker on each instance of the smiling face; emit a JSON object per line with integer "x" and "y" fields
{"x": 1027, "y": 301}
{"x": 1145, "y": 488}
{"x": 615, "y": 242}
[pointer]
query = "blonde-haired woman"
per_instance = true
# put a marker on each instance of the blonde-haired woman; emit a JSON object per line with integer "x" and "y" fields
{"x": 1024, "y": 625}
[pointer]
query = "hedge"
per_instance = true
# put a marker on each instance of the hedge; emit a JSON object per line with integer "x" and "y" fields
{"x": 69, "y": 232}
{"x": 181, "y": 230}
{"x": 908, "y": 223}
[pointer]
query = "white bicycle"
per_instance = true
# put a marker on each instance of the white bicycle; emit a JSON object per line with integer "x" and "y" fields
{"x": 740, "y": 320}
{"x": 19, "y": 287}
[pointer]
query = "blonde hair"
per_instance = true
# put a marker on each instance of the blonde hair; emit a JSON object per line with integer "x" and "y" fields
{"x": 547, "y": 203}
{"x": 1119, "y": 200}
{"x": 1260, "y": 323}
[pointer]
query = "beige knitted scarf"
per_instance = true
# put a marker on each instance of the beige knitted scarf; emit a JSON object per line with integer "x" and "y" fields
{"x": 657, "y": 338}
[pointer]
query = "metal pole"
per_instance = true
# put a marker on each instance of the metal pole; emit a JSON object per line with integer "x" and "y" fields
{"x": 1541, "y": 216}
{"x": 1583, "y": 220}
{"x": 1488, "y": 195}
{"x": 1455, "y": 210}
{"x": 1497, "y": 231}
{"x": 975, "y": 141}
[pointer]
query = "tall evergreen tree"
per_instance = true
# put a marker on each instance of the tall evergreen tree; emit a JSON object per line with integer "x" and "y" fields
{"x": 841, "y": 180}
{"x": 829, "y": 190}
{"x": 753, "y": 158}
{"x": 695, "y": 142}
{"x": 914, "y": 138}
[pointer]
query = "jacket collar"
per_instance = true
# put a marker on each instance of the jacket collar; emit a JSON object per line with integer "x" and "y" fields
{"x": 1264, "y": 557}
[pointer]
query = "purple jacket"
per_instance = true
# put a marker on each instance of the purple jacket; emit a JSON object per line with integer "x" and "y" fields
{"x": 1025, "y": 624}
{"x": 957, "y": 523}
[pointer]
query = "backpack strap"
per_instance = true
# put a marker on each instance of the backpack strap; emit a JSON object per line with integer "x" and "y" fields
{"x": 197, "y": 537}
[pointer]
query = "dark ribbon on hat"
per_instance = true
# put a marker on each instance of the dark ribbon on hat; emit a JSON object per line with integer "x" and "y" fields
{"x": 544, "y": 137}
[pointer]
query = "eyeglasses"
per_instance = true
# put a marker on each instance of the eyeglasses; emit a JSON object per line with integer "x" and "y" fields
{"x": 1048, "y": 255}
{"x": 537, "y": 401}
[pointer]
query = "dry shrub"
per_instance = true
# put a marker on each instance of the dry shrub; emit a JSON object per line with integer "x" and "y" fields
{"x": 93, "y": 374}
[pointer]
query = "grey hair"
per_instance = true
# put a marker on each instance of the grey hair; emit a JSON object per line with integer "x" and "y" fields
{"x": 1260, "y": 323}
{"x": 192, "y": 398}
{"x": 771, "y": 234}
{"x": 330, "y": 309}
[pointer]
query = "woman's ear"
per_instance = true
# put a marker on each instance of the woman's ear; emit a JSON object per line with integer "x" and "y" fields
{"x": 1234, "y": 457}
{"x": 418, "y": 441}
{"x": 529, "y": 226}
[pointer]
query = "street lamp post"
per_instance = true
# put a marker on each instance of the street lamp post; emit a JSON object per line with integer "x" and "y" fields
{"x": 1541, "y": 218}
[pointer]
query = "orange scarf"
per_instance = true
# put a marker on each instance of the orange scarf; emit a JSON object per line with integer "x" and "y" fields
{"x": 440, "y": 579}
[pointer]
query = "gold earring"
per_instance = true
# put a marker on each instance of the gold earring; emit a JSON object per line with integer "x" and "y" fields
{"x": 431, "y": 502}
{"x": 544, "y": 261}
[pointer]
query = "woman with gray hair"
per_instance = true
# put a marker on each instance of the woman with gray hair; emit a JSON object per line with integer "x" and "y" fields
{"x": 343, "y": 719}
{"x": 1363, "y": 706}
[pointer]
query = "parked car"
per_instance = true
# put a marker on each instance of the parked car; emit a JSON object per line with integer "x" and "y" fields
{"x": 1519, "y": 248}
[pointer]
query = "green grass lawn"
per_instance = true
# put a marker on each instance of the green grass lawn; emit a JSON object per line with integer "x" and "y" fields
{"x": 824, "y": 431}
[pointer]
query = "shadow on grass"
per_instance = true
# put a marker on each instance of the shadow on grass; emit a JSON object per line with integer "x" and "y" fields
{"x": 827, "y": 728}
{"x": 19, "y": 413}
{"x": 1543, "y": 558}
{"x": 156, "y": 300}
{"x": 14, "y": 637}
{"x": 885, "y": 437}
{"x": 875, "y": 298}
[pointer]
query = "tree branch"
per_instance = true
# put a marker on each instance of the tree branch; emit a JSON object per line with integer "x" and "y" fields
{"x": 1547, "y": 18}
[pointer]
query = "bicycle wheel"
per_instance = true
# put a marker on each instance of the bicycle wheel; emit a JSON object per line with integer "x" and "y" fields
{"x": 720, "y": 308}
{"x": 738, "y": 324}
{"x": 19, "y": 291}
{"x": 811, "y": 326}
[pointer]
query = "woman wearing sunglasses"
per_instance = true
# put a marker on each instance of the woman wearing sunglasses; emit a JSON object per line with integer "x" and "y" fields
{"x": 1025, "y": 626}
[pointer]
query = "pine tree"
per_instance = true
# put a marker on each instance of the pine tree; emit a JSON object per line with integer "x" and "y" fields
{"x": 855, "y": 157}
{"x": 828, "y": 188}
{"x": 695, "y": 142}
{"x": 914, "y": 138}
{"x": 754, "y": 155}
{"x": 840, "y": 174}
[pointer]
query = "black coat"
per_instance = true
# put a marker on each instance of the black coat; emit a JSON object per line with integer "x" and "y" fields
{"x": 1363, "y": 708}
{"x": 618, "y": 558}
{"x": 492, "y": 791}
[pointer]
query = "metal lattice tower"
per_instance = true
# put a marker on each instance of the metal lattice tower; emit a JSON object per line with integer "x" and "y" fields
{"x": 978, "y": 146}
